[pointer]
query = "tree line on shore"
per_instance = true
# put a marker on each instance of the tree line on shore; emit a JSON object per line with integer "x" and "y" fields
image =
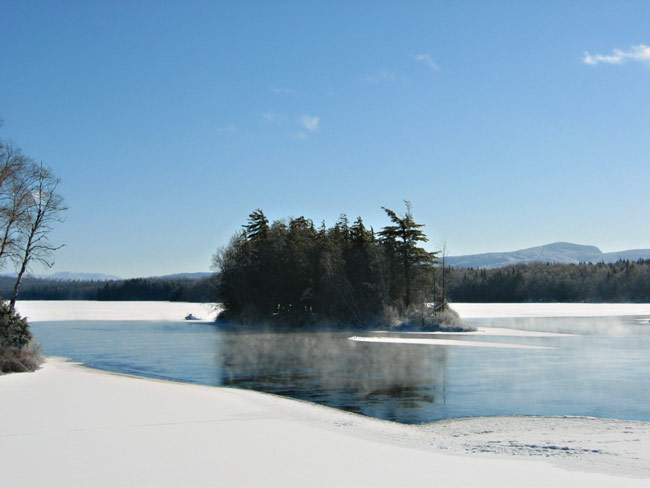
{"x": 622, "y": 281}
{"x": 136, "y": 289}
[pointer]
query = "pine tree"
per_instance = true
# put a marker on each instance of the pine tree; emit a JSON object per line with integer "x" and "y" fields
{"x": 401, "y": 241}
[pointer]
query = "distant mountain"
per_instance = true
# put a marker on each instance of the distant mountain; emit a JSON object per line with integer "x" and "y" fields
{"x": 558, "y": 252}
{"x": 68, "y": 276}
{"x": 185, "y": 276}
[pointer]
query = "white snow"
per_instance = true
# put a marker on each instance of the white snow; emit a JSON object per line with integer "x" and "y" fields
{"x": 51, "y": 310}
{"x": 513, "y": 310}
{"x": 484, "y": 331}
{"x": 442, "y": 342}
{"x": 173, "y": 311}
{"x": 66, "y": 425}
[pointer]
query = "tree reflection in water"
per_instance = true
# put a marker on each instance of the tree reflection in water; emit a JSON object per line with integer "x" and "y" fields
{"x": 390, "y": 381}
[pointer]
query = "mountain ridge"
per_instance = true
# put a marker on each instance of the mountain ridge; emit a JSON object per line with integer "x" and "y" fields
{"x": 74, "y": 276}
{"x": 556, "y": 252}
{"x": 68, "y": 276}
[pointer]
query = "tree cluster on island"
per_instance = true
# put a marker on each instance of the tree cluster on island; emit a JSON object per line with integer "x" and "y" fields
{"x": 293, "y": 274}
{"x": 29, "y": 207}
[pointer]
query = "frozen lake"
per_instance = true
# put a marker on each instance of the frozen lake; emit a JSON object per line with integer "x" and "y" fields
{"x": 586, "y": 366}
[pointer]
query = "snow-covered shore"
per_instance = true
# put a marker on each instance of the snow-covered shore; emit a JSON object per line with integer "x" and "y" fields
{"x": 53, "y": 310}
{"x": 518, "y": 310}
{"x": 41, "y": 310}
{"x": 67, "y": 425}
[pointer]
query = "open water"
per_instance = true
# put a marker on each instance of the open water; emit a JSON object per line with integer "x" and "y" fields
{"x": 602, "y": 371}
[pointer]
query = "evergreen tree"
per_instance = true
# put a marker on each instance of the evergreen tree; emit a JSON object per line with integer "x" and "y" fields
{"x": 294, "y": 273}
{"x": 400, "y": 240}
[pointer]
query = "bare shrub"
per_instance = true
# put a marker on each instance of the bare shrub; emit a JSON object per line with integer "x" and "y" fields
{"x": 13, "y": 360}
{"x": 428, "y": 318}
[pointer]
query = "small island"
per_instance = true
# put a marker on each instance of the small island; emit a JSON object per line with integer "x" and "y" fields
{"x": 293, "y": 274}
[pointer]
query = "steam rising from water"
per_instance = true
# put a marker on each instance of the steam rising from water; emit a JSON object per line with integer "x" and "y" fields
{"x": 601, "y": 371}
{"x": 327, "y": 367}
{"x": 570, "y": 366}
{"x": 602, "y": 326}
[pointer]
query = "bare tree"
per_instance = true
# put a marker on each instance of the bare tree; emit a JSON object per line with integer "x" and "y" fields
{"x": 43, "y": 208}
{"x": 443, "y": 304}
{"x": 441, "y": 301}
{"x": 16, "y": 179}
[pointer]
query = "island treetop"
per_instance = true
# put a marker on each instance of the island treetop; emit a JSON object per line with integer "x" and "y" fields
{"x": 292, "y": 273}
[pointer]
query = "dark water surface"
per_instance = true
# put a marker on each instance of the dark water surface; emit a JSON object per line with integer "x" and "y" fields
{"x": 603, "y": 371}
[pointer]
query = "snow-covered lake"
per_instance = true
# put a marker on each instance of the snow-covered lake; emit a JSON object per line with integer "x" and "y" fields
{"x": 537, "y": 359}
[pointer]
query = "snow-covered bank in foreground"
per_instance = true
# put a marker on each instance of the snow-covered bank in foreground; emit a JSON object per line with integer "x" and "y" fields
{"x": 52, "y": 310}
{"x": 513, "y": 310}
{"x": 70, "y": 426}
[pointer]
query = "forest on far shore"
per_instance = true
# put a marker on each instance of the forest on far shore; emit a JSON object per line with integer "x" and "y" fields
{"x": 620, "y": 282}
{"x": 138, "y": 289}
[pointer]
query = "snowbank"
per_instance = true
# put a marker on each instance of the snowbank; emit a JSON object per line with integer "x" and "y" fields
{"x": 39, "y": 310}
{"x": 52, "y": 310}
{"x": 443, "y": 342}
{"x": 66, "y": 425}
{"x": 513, "y": 310}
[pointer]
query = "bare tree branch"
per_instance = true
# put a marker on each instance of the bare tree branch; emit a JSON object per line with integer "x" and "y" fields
{"x": 43, "y": 207}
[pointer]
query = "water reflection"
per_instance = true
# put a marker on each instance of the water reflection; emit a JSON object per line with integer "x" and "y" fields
{"x": 602, "y": 370}
{"x": 328, "y": 368}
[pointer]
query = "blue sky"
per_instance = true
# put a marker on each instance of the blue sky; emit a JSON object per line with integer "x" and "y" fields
{"x": 506, "y": 124}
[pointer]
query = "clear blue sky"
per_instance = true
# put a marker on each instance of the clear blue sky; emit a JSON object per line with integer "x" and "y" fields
{"x": 506, "y": 124}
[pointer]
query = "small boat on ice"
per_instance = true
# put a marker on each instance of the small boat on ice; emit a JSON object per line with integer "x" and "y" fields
{"x": 191, "y": 317}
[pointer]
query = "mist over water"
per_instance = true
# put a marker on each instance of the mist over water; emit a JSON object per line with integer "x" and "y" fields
{"x": 601, "y": 370}
{"x": 327, "y": 368}
{"x": 603, "y": 326}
